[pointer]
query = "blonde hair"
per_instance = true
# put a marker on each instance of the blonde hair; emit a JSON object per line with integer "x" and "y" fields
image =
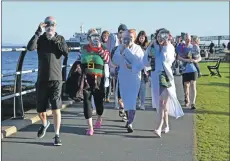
{"x": 92, "y": 31}
{"x": 133, "y": 31}
{"x": 196, "y": 39}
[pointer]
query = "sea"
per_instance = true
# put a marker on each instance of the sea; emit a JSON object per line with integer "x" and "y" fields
{"x": 10, "y": 60}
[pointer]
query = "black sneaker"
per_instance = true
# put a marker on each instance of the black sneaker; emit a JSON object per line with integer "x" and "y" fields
{"x": 193, "y": 107}
{"x": 130, "y": 128}
{"x": 57, "y": 141}
{"x": 42, "y": 130}
{"x": 121, "y": 112}
{"x": 126, "y": 125}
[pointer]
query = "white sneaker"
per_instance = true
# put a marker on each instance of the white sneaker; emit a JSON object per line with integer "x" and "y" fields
{"x": 157, "y": 133}
{"x": 165, "y": 130}
{"x": 124, "y": 119}
{"x": 142, "y": 107}
{"x": 116, "y": 108}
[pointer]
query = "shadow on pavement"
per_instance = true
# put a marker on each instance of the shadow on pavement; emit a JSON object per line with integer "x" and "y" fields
{"x": 36, "y": 143}
{"x": 197, "y": 111}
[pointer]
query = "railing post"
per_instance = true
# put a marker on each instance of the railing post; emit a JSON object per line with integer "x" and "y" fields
{"x": 64, "y": 71}
{"x": 18, "y": 101}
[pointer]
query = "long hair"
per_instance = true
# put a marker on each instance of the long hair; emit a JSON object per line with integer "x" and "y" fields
{"x": 137, "y": 41}
{"x": 104, "y": 32}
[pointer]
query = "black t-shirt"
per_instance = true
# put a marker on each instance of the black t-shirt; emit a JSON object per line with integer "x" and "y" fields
{"x": 50, "y": 53}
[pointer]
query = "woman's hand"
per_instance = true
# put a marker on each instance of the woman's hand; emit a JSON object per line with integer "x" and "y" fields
{"x": 151, "y": 43}
{"x": 123, "y": 48}
{"x": 190, "y": 61}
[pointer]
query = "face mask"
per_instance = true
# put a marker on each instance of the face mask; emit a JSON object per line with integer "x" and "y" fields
{"x": 163, "y": 36}
{"x": 126, "y": 41}
{"x": 95, "y": 40}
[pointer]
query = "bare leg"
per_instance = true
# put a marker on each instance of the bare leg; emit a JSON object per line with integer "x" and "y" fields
{"x": 160, "y": 117}
{"x": 193, "y": 92}
{"x": 57, "y": 120}
{"x": 186, "y": 88}
{"x": 43, "y": 118}
{"x": 120, "y": 103}
{"x": 162, "y": 111}
{"x": 99, "y": 118}
{"x": 90, "y": 123}
{"x": 166, "y": 118}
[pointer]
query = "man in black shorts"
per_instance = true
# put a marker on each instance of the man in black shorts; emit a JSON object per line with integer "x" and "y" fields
{"x": 50, "y": 48}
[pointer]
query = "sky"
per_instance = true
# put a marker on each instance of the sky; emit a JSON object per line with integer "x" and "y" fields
{"x": 21, "y": 19}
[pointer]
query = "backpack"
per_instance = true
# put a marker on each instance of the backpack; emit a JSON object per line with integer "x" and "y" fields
{"x": 75, "y": 82}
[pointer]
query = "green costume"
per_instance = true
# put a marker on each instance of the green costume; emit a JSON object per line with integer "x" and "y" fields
{"x": 92, "y": 61}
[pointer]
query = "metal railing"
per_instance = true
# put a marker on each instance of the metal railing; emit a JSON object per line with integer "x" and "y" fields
{"x": 18, "y": 93}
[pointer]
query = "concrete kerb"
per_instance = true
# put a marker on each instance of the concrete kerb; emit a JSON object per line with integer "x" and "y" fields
{"x": 10, "y": 126}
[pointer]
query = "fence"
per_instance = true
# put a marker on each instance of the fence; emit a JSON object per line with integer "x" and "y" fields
{"x": 18, "y": 93}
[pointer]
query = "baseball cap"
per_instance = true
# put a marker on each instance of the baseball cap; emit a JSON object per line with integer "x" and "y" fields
{"x": 122, "y": 27}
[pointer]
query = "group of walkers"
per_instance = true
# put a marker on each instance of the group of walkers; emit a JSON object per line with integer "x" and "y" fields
{"x": 122, "y": 64}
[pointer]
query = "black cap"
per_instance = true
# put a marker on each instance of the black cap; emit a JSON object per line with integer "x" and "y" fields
{"x": 122, "y": 27}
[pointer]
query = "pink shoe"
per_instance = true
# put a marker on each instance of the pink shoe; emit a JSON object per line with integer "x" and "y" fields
{"x": 90, "y": 132}
{"x": 98, "y": 124}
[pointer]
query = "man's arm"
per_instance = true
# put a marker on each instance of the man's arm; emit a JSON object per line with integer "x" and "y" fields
{"x": 32, "y": 45}
{"x": 62, "y": 46}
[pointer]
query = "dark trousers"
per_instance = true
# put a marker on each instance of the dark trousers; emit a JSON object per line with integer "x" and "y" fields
{"x": 98, "y": 94}
{"x": 108, "y": 90}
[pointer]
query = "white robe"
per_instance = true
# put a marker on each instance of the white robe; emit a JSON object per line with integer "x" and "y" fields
{"x": 163, "y": 61}
{"x": 129, "y": 79}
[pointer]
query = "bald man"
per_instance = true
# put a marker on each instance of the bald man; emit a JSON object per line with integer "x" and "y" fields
{"x": 50, "y": 48}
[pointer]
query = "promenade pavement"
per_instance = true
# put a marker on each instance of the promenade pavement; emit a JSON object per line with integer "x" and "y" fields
{"x": 110, "y": 143}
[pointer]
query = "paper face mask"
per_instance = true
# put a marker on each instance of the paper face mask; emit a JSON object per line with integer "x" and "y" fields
{"x": 95, "y": 39}
{"x": 163, "y": 36}
{"x": 126, "y": 41}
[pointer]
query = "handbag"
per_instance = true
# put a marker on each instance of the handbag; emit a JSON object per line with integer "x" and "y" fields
{"x": 164, "y": 80}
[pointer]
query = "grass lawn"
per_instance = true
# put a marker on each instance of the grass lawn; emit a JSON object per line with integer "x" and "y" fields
{"x": 212, "y": 117}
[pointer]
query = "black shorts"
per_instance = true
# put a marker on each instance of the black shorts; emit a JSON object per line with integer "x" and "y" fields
{"x": 187, "y": 77}
{"x": 48, "y": 93}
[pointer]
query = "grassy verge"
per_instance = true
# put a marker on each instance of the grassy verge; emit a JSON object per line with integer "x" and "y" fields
{"x": 212, "y": 118}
